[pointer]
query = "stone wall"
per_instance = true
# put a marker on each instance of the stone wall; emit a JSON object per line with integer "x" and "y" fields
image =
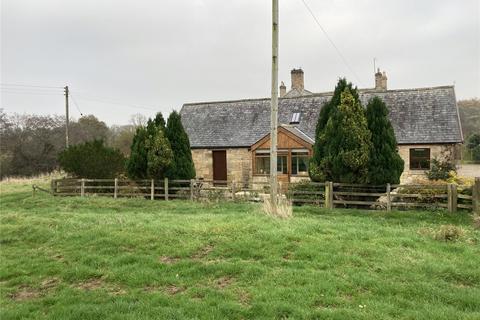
{"x": 239, "y": 164}
{"x": 436, "y": 151}
{"x": 203, "y": 161}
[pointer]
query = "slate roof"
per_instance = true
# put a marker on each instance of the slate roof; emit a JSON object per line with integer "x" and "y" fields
{"x": 418, "y": 116}
{"x": 294, "y": 93}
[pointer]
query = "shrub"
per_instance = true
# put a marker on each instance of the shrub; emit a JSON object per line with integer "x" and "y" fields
{"x": 448, "y": 233}
{"x": 182, "y": 167}
{"x": 150, "y": 153}
{"x": 92, "y": 160}
{"x": 385, "y": 164}
{"x": 159, "y": 155}
{"x": 137, "y": 162}
{"x": 348, "y": 142}
{"x": 318, "y": 164}
{"x": 441, "y": 169}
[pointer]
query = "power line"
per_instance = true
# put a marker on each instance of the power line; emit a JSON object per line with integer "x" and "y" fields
{"x": 332, "y": 43}
{"x": 75, "y": 103}
{"x": 108, "y": 101}
{"x": 28, "y": 86}
{"x": 27, "y": 92}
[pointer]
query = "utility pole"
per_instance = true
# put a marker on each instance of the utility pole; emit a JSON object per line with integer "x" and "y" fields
{"x": 66, "y": 116}
{"x": 274, "y": 108}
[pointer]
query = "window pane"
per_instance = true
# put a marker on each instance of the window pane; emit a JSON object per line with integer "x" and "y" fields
{"x": 294, "y": 165}
{"x": 282, "y": 164}
{"x": 303, "y": 165}
{"x": 420, "y": 159}
{"x": 299, "y": 163}
{"x": 262, "y": 165}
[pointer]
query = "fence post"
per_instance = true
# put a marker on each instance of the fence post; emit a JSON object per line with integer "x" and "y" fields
{"x": 389, "y": 199}
{"x": 152, "y": 190}
{"x": 452, "y": 197}
{"x": 329, "y": 195}
{"x": 192, "y": 181}
{"x": 165, "y": 188}
{"x": 82, "y": 188}
{"x": 115, "y": 189}
{"x": 476, "y": 195}
{"x": 52, "y": 186}
{"x": 233, "y": 190}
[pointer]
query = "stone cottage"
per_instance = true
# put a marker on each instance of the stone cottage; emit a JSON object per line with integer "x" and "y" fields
{"x": 230, "y": 139}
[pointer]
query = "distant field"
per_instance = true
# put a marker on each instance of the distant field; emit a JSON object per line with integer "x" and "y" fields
{"x": 99, "y": 258}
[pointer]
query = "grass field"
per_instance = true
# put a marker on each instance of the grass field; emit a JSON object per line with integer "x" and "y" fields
{"x": 99, "y": 258}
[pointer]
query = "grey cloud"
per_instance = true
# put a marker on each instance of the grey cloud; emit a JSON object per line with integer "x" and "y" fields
{"x": 161, "y": 54}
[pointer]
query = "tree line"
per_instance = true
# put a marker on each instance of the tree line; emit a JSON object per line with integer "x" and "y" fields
{"x": 31, "y": 144}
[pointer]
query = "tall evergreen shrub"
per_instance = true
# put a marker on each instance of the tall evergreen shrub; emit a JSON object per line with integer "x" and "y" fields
{"x": 385, "y": 164}
{"x": 318, "y": 167}
{"x": 347, "y": 142}
{"x": 182, "y": 166}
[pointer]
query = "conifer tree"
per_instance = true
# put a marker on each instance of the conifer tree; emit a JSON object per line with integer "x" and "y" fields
{"x": 385, "y": 164}
{"x": 150, "y": 153}
{"x": 159, "y": 155}
{"x": 182, "y": 166}
{"x": 318, "y": 170}
{"x": 347, "y": 142}
{"x": 137, "y": 162}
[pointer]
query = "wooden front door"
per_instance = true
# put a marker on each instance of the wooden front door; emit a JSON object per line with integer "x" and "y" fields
{"x": 219, "y": 165}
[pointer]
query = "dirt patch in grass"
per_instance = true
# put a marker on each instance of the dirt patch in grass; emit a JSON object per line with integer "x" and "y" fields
{"x": 149, "y": 289}
{"x": 25, "y": 293}
{"x": 223, "y": 282}
{"x": 168, "y": 260}
{"x": 244, "y": 297}
{"x": 91, "y": 284}
{"x": 99, "y": 283}
{"x": 50, "y": 283}
{"x": 173, "y": 290}
{"x": 202, "y": 252}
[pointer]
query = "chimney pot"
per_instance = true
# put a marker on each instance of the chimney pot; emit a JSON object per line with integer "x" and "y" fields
{"x": 381, "y": 80}
{"x": 297, "y": 79}
{"x": 283, "y": 90}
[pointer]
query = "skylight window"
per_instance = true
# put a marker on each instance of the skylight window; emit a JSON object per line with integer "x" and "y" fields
{"x": 295, "y": 118}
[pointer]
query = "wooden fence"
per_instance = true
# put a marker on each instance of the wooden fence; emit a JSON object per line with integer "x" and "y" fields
{"x": 328, "y": 194}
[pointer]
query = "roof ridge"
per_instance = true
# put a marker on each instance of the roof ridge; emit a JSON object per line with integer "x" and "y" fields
{"x": 320, "y": 94}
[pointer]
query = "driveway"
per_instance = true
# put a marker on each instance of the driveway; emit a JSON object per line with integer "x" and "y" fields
{"x": 469, "y": 170}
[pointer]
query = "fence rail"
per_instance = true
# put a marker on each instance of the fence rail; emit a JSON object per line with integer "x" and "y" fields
{"x": 328, "y": 194}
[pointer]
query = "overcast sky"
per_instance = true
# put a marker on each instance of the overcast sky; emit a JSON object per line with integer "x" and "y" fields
{"x": 157, "y": 55}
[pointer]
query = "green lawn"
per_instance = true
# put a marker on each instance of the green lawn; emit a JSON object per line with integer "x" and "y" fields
{"x": 99, "y": 258}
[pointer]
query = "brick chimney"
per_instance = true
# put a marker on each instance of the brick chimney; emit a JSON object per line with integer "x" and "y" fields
{"x": 283, "y": 90}
{"x": 380, "y": 80}
{"x": 297, "y": 79}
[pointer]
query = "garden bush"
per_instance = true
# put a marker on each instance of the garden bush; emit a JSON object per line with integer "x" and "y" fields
{"x": 92, "y": 160}
{"x": 441, "y": 169}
